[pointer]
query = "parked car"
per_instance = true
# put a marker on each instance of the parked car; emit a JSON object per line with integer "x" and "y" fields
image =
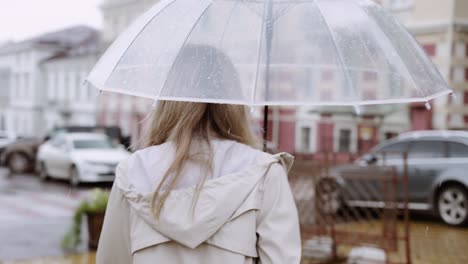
{"x": 6, "y": 138}
{"x": 80, "y": 157}
{"x": 437, "y": 163}
{"x": 20, "y": 156}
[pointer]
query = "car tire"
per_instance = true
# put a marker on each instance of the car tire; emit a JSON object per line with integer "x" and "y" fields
{"x": 452, "y": 205}
{"x": 18, "y": 162}
{"x": 43, "y": 174}
{"x": 74, "y": 178}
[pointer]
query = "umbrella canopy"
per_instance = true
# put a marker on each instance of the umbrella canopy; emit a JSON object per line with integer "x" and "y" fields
{"x": 269, "y": 52}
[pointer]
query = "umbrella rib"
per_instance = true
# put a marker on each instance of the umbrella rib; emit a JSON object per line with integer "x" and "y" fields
{"x": 291, "y": 5}
{"x": 391, "y": 44}
{"x": 259, "y": 53}
{"x": 227, "y": 23}
{"x": 183, "y": 44}
{"x": 338, "y": 51}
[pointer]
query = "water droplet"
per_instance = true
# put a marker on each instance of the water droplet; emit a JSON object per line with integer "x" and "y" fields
{"x": 454, "y": 95}
{"x": 357, "y": 110}
{"x": 428, "y": 106}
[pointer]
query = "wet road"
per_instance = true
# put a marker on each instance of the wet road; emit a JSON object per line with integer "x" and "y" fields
{"x": 34, "y": 215}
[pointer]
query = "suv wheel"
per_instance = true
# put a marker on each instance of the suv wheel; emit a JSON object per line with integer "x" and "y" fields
{"x": 18, "y": 163}
{"x": 452, "y": 205}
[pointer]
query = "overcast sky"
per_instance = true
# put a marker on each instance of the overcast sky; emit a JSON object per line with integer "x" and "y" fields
{"x": 20, "y": 19}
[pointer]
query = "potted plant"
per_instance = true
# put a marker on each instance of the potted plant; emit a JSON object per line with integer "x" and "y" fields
{"x": 94, "y": 209}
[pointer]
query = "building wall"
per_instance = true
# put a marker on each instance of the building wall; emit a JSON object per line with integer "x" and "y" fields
{"x": 117, "y": 109}
{"x": 4, "y": 95}
{"x": 67, "y": 101}
{"x": 432, "y": 10}
{"x": 458, "y": 107}
{"x": 118, "y": 14}
{"x": 23, "y": 114}
{"x": 461, "y": 9}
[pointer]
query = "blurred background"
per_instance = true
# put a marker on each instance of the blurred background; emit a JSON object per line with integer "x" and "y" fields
{"x": 54, "y": 128}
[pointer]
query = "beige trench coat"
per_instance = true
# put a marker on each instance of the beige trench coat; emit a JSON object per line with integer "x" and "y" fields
{"x": 240, "y": 218}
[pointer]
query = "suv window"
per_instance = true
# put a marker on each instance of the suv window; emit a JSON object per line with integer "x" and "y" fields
{"x": 427, "y": 149}
{"x": 457, "y": 150}
{"x": 394, "y": 150}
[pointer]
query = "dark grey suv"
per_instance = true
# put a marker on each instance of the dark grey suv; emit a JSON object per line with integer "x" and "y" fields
{"x": 437, "y": 171}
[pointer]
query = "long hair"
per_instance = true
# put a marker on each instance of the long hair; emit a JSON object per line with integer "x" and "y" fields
{"x": 186, "y": 123}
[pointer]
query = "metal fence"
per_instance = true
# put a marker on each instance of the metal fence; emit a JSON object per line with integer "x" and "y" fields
{"x": 342, "y": 208}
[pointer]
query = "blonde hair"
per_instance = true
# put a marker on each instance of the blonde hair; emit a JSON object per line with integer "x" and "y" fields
{"x": 183, "y": 123}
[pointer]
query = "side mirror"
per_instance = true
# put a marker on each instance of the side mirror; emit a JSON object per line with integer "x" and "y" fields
{"x": 370, "y": 159}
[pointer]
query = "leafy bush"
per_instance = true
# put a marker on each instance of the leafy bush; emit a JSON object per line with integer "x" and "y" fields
{"x": 96, "y": 203}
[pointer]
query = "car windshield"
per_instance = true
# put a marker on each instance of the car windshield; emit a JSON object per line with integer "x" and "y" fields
{"x": 92, "y": 144}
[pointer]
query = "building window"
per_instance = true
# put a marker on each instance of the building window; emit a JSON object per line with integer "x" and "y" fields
{"x": 369, "y": 94}
{"x": 2, "y": 122}
{"x": 370, "y": 76}
{"x": 390, "y": 135}
{"x": 78, "y": 87}
{"x": 305, "y": 138}
{"x": 18, "y": 86}
{"x": 458, "y": 74}
{"x": 327, "y": 75}
{"x": 460, "y": 50}
{"x": 54, "y": 85}
{"x": 344, "y": 143}
{"x": 72, "y": 88}
{"x": 49, "y": 86}
{"x": 26, "y": 86}
{"x": 65, "y": 86}
{"x": 430, "y": 49}
{"x": 91, "y": 91}
{"x": 397, "y": 4}
{"x": 325, "y": 94}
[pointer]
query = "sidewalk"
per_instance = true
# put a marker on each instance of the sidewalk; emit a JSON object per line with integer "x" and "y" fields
{"x": 88, "y": 258}
{"x": 432, "y": 243}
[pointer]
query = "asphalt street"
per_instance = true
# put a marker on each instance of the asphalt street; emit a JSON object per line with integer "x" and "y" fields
{"x": 35, "y": 215}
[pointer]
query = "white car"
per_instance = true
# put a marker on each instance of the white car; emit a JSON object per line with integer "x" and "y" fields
{"x": 79, "y": 157}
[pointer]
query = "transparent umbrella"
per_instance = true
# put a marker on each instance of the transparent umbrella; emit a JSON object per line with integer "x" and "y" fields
{"x": 269, "y": 52}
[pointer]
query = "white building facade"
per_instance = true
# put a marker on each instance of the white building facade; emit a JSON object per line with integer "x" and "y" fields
{"x": 113, "y": 109}
{"x": 26, "y": 70}
{"x": 441, "y": 27}
{"x": 41, "y": 79}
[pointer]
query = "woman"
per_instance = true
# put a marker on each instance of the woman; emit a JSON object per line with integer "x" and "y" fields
{"x": 200, "y": 193}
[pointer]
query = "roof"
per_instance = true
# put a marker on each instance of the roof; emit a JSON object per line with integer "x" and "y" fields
{"x": 81, "y": 135}
{"x": 65, "y": 40}
{"x": 434, "y": 133}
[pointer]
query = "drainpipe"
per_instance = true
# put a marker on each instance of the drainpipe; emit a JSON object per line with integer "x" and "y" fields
{"x": 450, "y": 41}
